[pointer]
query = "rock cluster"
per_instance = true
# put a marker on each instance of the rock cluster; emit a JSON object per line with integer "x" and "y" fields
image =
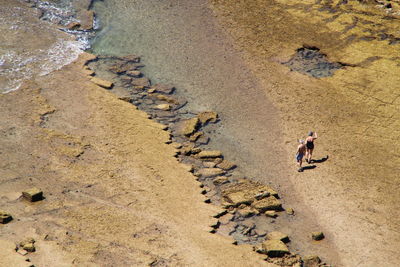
{"x": 241, "y": 198}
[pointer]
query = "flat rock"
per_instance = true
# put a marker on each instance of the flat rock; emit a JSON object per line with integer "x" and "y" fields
{"x": 102, "y": 83}
{"x": 163, "y": 107}
{"x": 317, "y": 236}
{"x": 207, "y": 116}
{"x": 278, "y": 236}
{"x": 167, "y": 98}
{"x": 33, "y": 194}
{"x": 239, "y": 197}
{"x": 194, "y": 137}
{"x": 210, "y": 172}
{"x": 73, "y": 25}
{"x": 269, "y": 203}
{"x": 275, "y": 248}
{"x": 164, "y": 89}
{"x": 226, "y": 165}
{"x": 246, "y": 212}
{"x": 271, "y": 213}
{"x": 190, "y": 126}
{"x": 220, "y": 180}
{"x": 209, "y": 164}
{"x": 141, "y": 82}
{"x": 5, "y": 217}
{"x": 210, "y": 154}
{"x": 134, "y": 73}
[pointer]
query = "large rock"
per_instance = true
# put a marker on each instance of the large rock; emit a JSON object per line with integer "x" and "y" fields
{"x": 33, "y": 194}
{"x": 207, "y": 116}
{"x": 311, "y": 261}
{"x": 5, "y": 217}
{"x": 102, "y": 83}
{"x": 206, "y": 154}
{"x": 190, "y": 126}
{"x": 275, "y": 248}
{"x": 269, "y": 203}
{"x": 278, "y": 236}
{"x": 210, "y": 172}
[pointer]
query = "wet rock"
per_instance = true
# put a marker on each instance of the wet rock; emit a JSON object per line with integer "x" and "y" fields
{"x": 33, "y": 194}
{"x": 88, "y": 72}
{"x": 207, "y": 116}
{"x": 210, "y": 172}
{"x": 195, "y": 150}
{"x": 87, "y": 18}
{"x": 145, "y": 82}
{"x": 134, "y": 73}
{"x": 5, "y": 217}
{"x": 269, "y": 203}
{"x": 278, "y": 236}
{"x": 209, "y": 164}
{"x": 226, "y": 165}
{"x": 164, "y": 89}
{"x": 190, "y": 126}
{"x": 203, "y": 140}
{"x": 275, "y": 248}
{"x": 206, "y": 154}
{"x": 165, "y": 107}
{"x": 311, "y": 261}
{"x": 102, "y": 83}
{"x": 317, "y": 236}
{"x": 194, "y": 137}
{"x": 220, "y": 180}
{"x": 131, "y": 58}
{"x": 73, "y": 25}
{"x": 166, "y": 98}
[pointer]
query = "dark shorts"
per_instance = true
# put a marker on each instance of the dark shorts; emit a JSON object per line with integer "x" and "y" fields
{"x": 310, "y": 145}
{"x": 299, "y": 157}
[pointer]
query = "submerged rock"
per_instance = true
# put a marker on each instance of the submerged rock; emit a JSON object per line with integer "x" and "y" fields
{"x": 165, "y": 107}
{"x": 102, "y": 83}
{"x": 164, "y": 89}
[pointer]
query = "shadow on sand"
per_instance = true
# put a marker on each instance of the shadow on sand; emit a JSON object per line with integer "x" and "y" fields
{"x": 320, "y": 160}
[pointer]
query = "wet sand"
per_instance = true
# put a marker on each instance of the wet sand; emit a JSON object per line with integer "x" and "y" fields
{"x": 265, "y": 108}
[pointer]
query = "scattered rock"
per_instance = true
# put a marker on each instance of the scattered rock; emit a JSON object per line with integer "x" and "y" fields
{"x": 28, "y": 245}
{"x": 290, "y": 211}
{"x": 311, "y": 261}
{"x": 194, "y": 137}
{"x": 190, "y": 126}
{"x": 5, "y": 217}
{"x": 209, "y": 164}
{"x": 269, "y": 203}
{"x": 33, "y": 194}
{"x": 317, "y": 236}
{"x": 210, "y": 172}
{"x": 220, "y": 180}
{"x": 275, "y": 248}
{"x": 134, "y": 73}
{"x": 226, "y": 165}
{"x": 271, "y": 214}
{"x": 102, "y": 83}
{"x": 206, "y": 154}
{"x": 165, "y": 107}
{"x": 166, "y": 98}
{"x": 141, "y": 82}
{"x": 240, "y": 197}
{"x": 278, "y": 236}
{"x": 246, "y": 212}
{"x": 164, "y": 89}
{"x": 207, "y": 116}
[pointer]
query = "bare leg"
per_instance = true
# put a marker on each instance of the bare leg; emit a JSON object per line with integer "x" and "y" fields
{"x": 309, "y": 154}
{"x": 300, "y": 163}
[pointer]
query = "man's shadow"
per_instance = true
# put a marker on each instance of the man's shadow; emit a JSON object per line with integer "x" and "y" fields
{"x": 320, "y": 160}
{"x": 310, "y": 167}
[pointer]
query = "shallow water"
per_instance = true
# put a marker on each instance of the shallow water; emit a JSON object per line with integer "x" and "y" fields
{"x": 181, "y": 44}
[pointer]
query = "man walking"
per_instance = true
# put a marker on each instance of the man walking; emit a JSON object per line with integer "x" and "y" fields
{"x": 301, "y": 150}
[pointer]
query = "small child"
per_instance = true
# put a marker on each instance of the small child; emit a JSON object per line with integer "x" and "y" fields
{"x": 301, "y": 150}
